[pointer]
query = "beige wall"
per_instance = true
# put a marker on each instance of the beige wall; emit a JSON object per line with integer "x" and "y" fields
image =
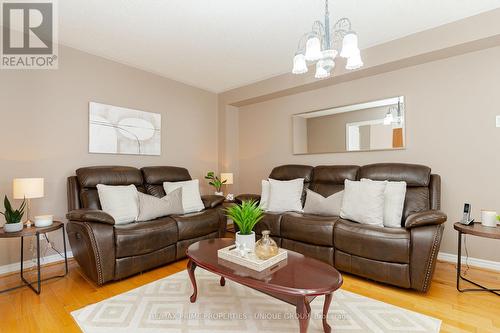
{"x": 451, "y": 106}
{"x": 44, "y": 125}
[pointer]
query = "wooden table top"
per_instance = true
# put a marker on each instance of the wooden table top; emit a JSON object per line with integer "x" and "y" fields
{"x": 299, "y": 276}
{"x": 477, "y": 229}
{"x": 31, "y": 231}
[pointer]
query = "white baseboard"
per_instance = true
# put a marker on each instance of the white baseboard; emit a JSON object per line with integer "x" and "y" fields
{"x": 14, "y": 267}
{"x": 443, "y": 256}
{"x": 474, "y": 262}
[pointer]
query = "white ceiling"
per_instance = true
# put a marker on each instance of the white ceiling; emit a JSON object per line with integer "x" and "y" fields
{"x": 222, "y": 44}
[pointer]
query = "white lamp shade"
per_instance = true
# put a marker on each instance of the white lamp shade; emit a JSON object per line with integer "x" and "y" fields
{"x": 28, "y": 188}
{"x": 299, "y": 64}
{"x": 349, "y": 45}
{"x": 228, "y": 177}
{"x": 354, "y": 62}
{"x": 313, "y": 49}
{"x": 321, "y": 70}
{"x": 388, "y": 118}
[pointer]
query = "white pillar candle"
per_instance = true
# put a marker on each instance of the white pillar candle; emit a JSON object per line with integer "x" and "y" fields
{"x": 488, "y": 218}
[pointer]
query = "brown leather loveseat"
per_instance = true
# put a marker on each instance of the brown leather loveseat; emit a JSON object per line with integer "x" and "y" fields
{"x": 106, "y": 251}
{"x": 404, "y": 256}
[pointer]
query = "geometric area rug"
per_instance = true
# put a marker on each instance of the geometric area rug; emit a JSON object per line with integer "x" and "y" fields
{"x": 163, "y": 306}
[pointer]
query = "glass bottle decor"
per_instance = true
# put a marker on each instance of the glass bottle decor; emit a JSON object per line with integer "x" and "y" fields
{"x": 266, "y": 247}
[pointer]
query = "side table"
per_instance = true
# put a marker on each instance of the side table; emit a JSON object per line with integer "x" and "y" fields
{"x": 475, "y": 229}
{"x": 33, "y": 231}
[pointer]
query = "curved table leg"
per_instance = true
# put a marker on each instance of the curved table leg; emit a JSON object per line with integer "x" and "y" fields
{"x": 191, "y": 266}
{"x": 222, "y": 281}
{"x": 326, "y": 306}
{"x": 303, "y": 314}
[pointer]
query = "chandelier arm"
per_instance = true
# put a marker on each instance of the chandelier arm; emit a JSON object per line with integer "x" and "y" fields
{"x": 343, "y": 24}
{"x": 301, "y": 46}
{"x": 318, "y": 28}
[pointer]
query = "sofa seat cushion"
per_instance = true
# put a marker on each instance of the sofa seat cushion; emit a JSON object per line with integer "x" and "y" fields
{"x": 144, "y": 237}
{"x": 372, "y": 242}
{"x": 198, "y": 224}
{"x": 271, "y": 222}
{"x": 308, "y": 228}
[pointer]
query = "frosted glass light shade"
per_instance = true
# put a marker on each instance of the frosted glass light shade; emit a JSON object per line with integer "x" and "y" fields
{"x": 29, "y": 188}
{"x": 349, "y": 45}
{"x": 388, "y": 118}
{"x": 313, "y": 49}
{"x": 228, "y": 177}
{"x": 321, "y": 70}
{"x": 354, "y": 62}
{"x": 299, "y": 64}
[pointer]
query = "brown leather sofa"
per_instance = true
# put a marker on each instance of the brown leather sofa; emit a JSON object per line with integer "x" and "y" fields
{"x": 403, "y": 257}
{"x": 106, "y": 251}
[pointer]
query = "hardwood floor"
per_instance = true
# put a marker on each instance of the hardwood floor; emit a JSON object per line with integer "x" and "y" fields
{"x": 24, "y": 311}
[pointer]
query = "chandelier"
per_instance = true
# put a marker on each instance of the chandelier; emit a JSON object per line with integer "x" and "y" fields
{"x": 322, "y": 45}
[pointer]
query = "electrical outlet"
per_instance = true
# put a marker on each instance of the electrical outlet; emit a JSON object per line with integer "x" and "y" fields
{"x": 498, "y": 121}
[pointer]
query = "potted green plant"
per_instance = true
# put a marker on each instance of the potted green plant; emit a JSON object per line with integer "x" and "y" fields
{"x": 246, "y": 216}
{"x": 13, "y": 217}
{"x": 215, "y": 182}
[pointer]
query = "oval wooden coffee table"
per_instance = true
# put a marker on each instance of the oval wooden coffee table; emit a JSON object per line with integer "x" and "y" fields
{"x": 298, "y": 282}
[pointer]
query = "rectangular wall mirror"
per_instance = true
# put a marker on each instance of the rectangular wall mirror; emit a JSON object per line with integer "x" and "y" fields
{"x": 376, "y": 125}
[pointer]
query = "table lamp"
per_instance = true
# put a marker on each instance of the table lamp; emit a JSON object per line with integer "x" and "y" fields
{"x": 228, "y": 177}
{"x": 28, "y": 188}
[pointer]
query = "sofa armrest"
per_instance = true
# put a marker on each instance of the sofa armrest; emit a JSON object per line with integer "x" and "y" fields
{"x": 425, "y": 243}
{"x": 428, "y": 217}
{"x": 246, "y": 197}
{"x": 212, "y": 201}
{"x": 93, "y": 247}
{"x": 90, "y": 215}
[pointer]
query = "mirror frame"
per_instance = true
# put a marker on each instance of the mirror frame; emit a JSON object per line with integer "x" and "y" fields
{"x": 357, "y": 107}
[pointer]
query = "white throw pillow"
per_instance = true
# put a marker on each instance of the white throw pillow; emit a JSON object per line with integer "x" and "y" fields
{"x": 285, "y": 195}
{"x": 120, "y": 202}
{"x": 191, "y": 198}
{"x": 394, "y": 201}
{"x": 318, "y": 204}
{"x": 264, "y": 195}
{"x": 151, "y": 207}
{"x": 363, "y": 202}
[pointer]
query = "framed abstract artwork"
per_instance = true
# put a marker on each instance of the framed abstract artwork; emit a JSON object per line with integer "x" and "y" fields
{"x": 119, "y": 130}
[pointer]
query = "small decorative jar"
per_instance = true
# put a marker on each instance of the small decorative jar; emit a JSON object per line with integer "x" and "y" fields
{"x": 266, "y": 247}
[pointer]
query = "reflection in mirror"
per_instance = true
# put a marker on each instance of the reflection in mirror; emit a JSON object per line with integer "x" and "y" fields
{"x": 376, "y": 125}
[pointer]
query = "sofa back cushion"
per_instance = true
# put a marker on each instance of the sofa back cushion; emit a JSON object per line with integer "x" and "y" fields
{"x": 293, "y": 171}
{"x": 417, "y": 178}
{"x": 89, "y": 177}
{"x": 155, "y": 176}
{"x": 329, "y": 179}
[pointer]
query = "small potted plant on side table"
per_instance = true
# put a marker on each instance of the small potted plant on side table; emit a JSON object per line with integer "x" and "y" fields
{"x": 215, "y": 182}
{"x": 246, "y": 216}
{"x": 13, "y": 217}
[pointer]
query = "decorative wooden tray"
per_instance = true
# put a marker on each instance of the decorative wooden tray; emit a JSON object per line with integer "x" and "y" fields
{"x": 250, "y": 260}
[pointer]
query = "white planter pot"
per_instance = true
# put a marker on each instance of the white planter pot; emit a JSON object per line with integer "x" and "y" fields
{"x": 246, "y": 242}
{"x": 219, "y": 193}
{"x": 13, "y": 227}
